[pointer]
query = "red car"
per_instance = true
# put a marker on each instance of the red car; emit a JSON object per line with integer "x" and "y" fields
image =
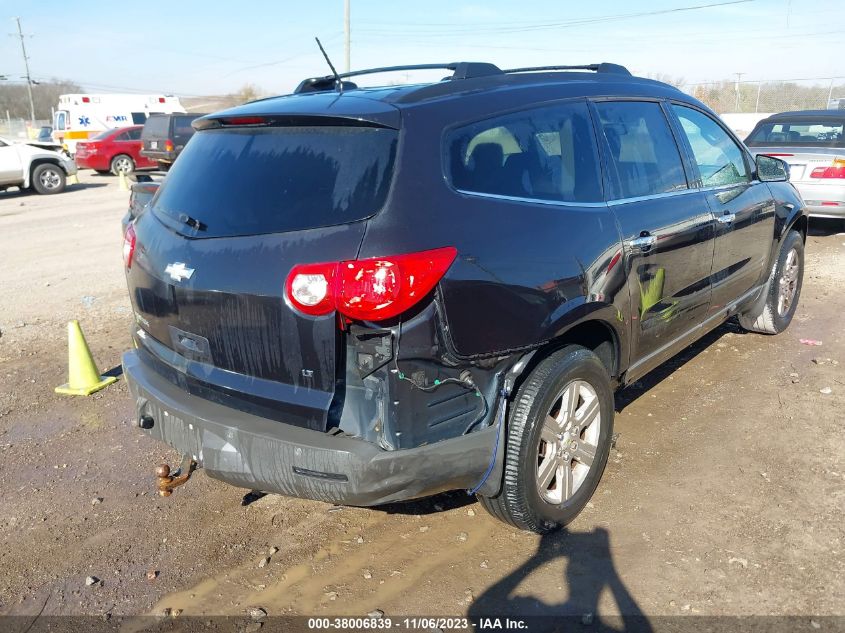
{"x": 115, "y": 151}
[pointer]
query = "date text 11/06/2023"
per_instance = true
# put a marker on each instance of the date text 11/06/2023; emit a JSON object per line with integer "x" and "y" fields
{"x": 383, "y": 623}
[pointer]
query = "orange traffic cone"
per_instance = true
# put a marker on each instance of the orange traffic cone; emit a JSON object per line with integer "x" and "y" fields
{"x": 83, "y": 377}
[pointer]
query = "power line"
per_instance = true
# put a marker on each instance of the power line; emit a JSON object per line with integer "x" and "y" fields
{"x": 546, "y": 25}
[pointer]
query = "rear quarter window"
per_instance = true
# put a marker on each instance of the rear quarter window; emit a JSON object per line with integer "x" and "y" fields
{"x": 547, "y": 153}
{"x": 271, "y": 180}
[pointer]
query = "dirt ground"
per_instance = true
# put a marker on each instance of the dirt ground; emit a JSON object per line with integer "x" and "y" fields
{"x": 724, "y": 495}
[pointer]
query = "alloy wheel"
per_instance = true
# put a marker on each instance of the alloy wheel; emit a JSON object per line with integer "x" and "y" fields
{"x": 50, "y": 179}
{"x": 568, "y": 442}
{"x": 788, "y": 283}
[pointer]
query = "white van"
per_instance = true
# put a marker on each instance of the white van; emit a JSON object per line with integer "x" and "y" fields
{"x": 81, "y": 116}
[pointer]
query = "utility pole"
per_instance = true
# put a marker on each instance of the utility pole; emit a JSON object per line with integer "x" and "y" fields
{"x": 736, "y": 89}
{"x": 28, "y": 78}
{"x": 347, "y": 32}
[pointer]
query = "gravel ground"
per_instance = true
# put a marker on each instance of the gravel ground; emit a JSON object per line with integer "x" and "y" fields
{"x": 723, "y": 495}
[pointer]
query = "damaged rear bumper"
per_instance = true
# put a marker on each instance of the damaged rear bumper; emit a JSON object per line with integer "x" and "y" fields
{"x": 260, "y": 454}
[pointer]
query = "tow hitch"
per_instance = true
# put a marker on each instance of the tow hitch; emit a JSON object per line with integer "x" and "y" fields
{"x": 167, "y": 482}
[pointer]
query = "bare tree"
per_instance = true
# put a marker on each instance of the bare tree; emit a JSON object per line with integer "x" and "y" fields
{"x": 248, "y": 92}
{"x": 13, "y": 97}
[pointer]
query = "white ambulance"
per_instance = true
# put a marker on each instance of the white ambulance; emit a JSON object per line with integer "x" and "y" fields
{"x": 82, "y": 116}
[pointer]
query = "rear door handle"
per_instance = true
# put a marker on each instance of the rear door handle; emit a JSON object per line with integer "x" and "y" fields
{"x": 726, "y": 219}
{"x": 642, "y": 243}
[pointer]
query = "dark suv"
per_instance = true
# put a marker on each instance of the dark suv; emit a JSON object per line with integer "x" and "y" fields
{"x": 165, "y": 135}
{"x": 369, "y": 295}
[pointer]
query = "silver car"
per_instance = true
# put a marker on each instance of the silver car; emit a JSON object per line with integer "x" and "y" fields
{"x": 812, "y": 142}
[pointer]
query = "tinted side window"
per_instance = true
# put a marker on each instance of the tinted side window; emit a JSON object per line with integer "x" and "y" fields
{"x": 548, "y": 153}
{"x": 123, "y": 136}
{"x": 642, "y": 148}
{"x": 182, "y": 125}
{"x": 138, "y": 118}
{"x": 720, "y": 160}
{"x": 134, "y": 135}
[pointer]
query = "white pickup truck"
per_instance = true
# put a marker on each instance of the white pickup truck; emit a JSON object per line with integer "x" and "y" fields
{"x": 41, "y": 168}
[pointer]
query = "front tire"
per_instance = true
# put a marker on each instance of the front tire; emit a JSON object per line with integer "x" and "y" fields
{"x": 122, "y": 164}
{"x": 48, "y": 178}
{"x": 784, "y": 290}
{"x": 558, "y": 440}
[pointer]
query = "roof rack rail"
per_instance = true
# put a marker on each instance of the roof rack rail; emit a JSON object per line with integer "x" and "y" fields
{"x": 604, "y": 67}
{"x": 460, "y": 70}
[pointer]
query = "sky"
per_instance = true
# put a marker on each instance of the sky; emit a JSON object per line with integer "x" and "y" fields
{"x": 192, "y": 48}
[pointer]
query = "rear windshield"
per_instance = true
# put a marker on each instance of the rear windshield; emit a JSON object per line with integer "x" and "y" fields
{"x": 800, "y": 133}
{"x": 270, "y": 180}
{"x": 155, "y": 127}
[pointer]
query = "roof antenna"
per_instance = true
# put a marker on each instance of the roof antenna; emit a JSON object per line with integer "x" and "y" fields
{"x": 338, "y": 81}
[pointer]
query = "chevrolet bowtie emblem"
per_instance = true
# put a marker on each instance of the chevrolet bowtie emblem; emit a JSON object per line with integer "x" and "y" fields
{"x": 178, "y": 271}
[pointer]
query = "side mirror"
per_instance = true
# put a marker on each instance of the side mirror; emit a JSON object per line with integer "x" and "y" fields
{"x": 771, "y": 169}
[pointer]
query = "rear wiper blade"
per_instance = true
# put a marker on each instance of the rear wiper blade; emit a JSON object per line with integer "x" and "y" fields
{"x": 184, "y": 218}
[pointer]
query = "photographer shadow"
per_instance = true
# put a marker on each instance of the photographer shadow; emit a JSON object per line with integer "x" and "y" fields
{"x": 589, "y": 572}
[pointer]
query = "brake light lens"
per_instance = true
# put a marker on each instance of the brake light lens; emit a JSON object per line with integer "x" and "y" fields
{"x": 244, "y": 120}
{"x": 168, "y": 145}
{"x": 837, "y": 170}
{"x": 129, "y": 246}
{"x": 368, "y": 289}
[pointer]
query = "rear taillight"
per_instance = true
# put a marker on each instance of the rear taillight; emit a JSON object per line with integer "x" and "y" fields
{"x": 168, "y": 145}
{"x": 367, "y": 289}
{"x": 128, "y": 246}
{"x": 836, "y": 170}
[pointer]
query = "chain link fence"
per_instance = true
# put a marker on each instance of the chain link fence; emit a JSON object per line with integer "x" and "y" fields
{"x": 770, "y": 96}
{"x": 20, "y": 129}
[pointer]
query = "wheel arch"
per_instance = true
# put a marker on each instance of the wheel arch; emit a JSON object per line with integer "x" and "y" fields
{"x": 800, "y": 224}
{"x": 594, "y": 333}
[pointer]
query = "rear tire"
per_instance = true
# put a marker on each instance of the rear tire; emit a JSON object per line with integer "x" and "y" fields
{"x": 48, "y": 178}
{"x": 785, "y": 282}
{"x": 558, "y": 440}
{"x": 122, "y": 164}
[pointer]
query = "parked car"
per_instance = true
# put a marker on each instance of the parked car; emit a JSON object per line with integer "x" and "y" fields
{"x": 445, "y": 283}
{"x": 114, "y": 151}
{"x": 26, "y": 165}
{"x": 812, "y": 142}
{"x": 165, "y": 135}
{"x": 45, "y": 134}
